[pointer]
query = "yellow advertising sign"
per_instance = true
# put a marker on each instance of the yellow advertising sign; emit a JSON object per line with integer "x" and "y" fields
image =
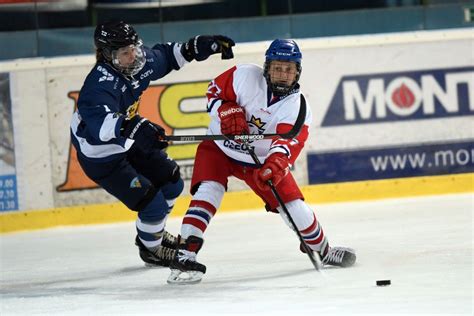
{"x": 160, "y": 104}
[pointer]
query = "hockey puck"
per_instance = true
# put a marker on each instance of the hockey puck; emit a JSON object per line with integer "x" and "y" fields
{"x": 383, "y": 282}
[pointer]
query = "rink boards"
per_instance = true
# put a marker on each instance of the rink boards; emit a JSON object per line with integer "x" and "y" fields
{"x": 392, "y": 116}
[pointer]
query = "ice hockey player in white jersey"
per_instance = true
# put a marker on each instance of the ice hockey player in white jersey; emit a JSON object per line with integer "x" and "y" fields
{"x": 247, "y": 99}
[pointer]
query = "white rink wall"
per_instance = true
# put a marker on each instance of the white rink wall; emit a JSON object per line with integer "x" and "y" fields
{"x": 378, "y": 91}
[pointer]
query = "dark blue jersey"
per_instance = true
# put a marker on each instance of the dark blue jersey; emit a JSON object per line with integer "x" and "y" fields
{"x": 108, "y": 97}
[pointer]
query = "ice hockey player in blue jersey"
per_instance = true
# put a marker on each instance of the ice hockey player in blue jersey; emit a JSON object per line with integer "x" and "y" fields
{"x": 122, "y": 151}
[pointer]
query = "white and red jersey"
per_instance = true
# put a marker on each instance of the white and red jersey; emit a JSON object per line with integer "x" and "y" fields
{"x": 245, "y": 85}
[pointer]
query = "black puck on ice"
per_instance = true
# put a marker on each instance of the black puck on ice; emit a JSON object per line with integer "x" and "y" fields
{"x": 383, "y": 282}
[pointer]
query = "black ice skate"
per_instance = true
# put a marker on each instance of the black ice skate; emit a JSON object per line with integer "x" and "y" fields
{"x": 184, "y": 267}
{"x": 162, "y": 256}
{"x": 339, "y": 257}
{"x": 169, "y": 241}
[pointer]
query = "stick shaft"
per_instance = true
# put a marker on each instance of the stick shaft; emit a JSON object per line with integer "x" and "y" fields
{"x": 312, "y": 256}
{"x": 292, "y": 133}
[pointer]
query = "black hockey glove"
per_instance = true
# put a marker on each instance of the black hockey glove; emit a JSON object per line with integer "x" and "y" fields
{"x": 147, "y": 135}
{"x": 202, "y": 46}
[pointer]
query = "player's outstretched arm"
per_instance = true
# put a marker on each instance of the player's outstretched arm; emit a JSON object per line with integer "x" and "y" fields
{"x": 202, "y": 46}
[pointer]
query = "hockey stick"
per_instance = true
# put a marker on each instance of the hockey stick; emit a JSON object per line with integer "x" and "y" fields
{"x": 292, "y": 133}
{"x": 314, "y": 258}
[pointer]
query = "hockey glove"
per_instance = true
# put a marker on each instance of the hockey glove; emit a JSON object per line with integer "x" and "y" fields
{"x": 202, "y": 46}
{"x": 232, "y": 118}
{"x": 275, "y": 168}
{"x": 146, "y": 134}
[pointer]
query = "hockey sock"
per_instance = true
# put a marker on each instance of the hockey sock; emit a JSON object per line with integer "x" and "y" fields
{"x": 202, "y": 208}
{"x": 151, "y": 233}
{"x": 150, "y": 230}
{"x": 197, "y": 218}
{"x": 307, "y": 224}
{"x": 314, "y": 237}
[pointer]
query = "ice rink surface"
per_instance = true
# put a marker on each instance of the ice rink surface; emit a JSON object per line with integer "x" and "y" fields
{"x": 423, "y": 245}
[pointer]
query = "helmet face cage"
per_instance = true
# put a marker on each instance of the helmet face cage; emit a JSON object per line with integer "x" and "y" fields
{"x": 282, "y": 50}
{"x": 110, "y": 37}
{"x": 133, "y": 67}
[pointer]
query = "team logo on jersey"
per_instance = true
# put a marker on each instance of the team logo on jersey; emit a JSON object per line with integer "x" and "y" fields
{"x": 213, "y": 88}
{"x": 146, "y": 73}
{"x": 256, "y": 125}
{"x": 135, "y": 84}
{"x": 106, "y": 76}
{"x": 135, "y": 183}
{"x": 132, "y": 110}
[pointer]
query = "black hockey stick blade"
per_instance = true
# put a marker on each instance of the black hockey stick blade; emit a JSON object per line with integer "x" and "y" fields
{"x": 292, "y": 133}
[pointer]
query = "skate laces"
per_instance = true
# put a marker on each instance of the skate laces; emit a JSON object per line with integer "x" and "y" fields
{"x": 169, "y": 239}
{"x": 165, "y": 253}
{"x": 334, "y": 255}
{"x": 186, "y": 255}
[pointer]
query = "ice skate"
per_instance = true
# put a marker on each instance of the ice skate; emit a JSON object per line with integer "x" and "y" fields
{"x": 184, "y": 267}
{"x": 169, "y": 240}
{"x": 339, "y": 257}
{"x": 162, "y": 256}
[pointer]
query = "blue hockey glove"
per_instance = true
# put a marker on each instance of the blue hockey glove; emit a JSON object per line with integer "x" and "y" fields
{"x": 147, "y": 135}
{"x": 202, "y": 46}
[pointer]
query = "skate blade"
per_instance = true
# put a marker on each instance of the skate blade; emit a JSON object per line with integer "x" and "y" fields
{"x": 180, "y": 277}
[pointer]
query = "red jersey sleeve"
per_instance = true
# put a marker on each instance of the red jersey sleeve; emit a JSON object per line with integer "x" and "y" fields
{"x": 291, "y": 147}
{"x": 221, "y": 89}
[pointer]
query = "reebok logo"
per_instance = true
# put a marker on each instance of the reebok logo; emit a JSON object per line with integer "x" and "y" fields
{"x": 230, "y": 112}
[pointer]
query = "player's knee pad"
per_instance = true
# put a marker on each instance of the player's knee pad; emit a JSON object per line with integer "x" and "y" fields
{"x": 153, "y": 208}
{"x": 172, "y": 190}
{"x": 211, "y": 192}
{"x": 175, "y": 175}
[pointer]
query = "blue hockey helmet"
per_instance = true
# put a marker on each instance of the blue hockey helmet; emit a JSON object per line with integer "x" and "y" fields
{"x": 282, "y": 50}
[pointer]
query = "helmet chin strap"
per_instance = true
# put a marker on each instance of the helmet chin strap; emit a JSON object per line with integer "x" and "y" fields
{"x": 281, "y": 89}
